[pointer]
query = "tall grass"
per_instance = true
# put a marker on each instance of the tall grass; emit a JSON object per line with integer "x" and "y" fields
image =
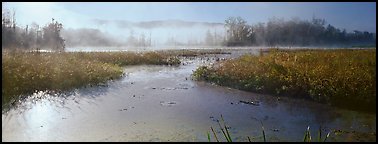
{"x": 344, "y": 78}
{"x": 127, "y": 58}
{"x": 26, "y": 72}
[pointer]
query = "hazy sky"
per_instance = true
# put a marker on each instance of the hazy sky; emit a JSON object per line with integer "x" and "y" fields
{"x": 349, "y": 15}
{"x": 160, "y": 19}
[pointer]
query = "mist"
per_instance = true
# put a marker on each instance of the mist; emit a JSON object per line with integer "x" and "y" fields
{"x": 119, "y": 33}
{"x": 88, "y": 37}
{"x": 236, "y": 31}
{"x": 157, "y": 25}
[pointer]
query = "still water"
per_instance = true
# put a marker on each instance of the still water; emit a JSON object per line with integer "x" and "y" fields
{"x": 163, "y": 103}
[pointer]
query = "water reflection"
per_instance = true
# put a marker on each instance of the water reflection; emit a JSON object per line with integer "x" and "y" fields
{"x": 162, "y": 103}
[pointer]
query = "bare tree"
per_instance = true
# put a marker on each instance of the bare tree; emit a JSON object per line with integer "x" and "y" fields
{"x": 51, "y": 37}
{"x": 294, "y": 32}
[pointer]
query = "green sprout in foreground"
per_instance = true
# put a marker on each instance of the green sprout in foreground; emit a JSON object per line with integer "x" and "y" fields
{"x": 226, "y": 133}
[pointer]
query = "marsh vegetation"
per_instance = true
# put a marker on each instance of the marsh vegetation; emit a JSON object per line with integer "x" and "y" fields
{"x": 163, "y": 77}
{"x": 344, "y": 78}
{"x": 128, "y": 84}
{"x": 26, "y": 72}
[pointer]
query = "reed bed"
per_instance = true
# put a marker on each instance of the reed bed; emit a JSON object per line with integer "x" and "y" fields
{"x": 26, "y": 72}
{"x": 342, "y": 77}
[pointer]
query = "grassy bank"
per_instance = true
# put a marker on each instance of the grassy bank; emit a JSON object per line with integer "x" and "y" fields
{"x": 26, "y": 72}
{"x": 344, "y": 78}
{"x": 128, "y": 58}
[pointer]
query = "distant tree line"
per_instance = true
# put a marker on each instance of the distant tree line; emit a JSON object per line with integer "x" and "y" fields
{"x": 88, "y": 37}
{"x": 30, "y": 37}
{"x": 295, "y": 32}
{"x": 214, "y": 39}
{"x": 276, "y": 32}
{"x": 141, "y": 41}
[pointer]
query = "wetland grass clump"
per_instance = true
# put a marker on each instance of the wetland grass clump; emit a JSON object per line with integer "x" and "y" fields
{"x": 26, "y": 72}
{"x": 340, "y": 77}
{"x": 128, "y": 58}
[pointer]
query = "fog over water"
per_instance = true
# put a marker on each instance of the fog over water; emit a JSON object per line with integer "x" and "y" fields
{"x": 52, "y": 92}
{"x": 190, "y": 24}
{"x": 158, "y": 33}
